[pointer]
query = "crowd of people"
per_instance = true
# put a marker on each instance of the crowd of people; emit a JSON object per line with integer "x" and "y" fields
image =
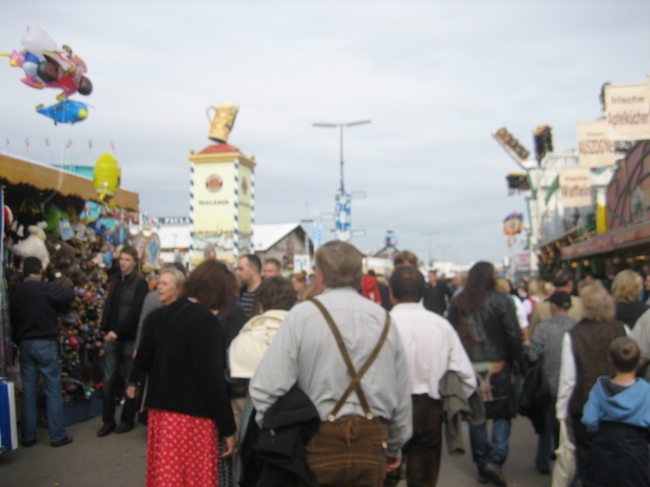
{"x": 340, "y": 378}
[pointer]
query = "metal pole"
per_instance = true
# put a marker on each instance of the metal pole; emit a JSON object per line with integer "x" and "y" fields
{"x": 342, "y": 184}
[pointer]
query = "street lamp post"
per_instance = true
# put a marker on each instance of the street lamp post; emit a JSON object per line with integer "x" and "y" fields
{"x": 430, "y": 234}
{"x": 343, "y": 199}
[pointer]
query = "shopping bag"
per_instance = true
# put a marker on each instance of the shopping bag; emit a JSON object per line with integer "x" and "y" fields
{"x": 8, "y": 428}
{"x": 564, "y": 468}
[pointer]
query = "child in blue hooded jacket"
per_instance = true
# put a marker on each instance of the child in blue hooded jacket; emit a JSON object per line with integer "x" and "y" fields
{"x": 618, "y": 412}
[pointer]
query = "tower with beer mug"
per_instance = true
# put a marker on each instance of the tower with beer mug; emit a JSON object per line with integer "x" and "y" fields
{"x": 222, "y": 193}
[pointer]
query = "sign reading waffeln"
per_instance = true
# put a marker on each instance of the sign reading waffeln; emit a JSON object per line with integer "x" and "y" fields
{"x": 595, "y": 148}
{"x": 628, "y": 111}
{"x": 575, "y": 186}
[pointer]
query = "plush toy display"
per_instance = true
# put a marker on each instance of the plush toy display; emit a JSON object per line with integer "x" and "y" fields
{"x": 34, "y": 245}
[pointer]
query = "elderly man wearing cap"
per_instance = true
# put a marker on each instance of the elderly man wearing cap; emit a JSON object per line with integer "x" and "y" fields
{"x": 563, "y": 281}
{"x": 546, "y": 345}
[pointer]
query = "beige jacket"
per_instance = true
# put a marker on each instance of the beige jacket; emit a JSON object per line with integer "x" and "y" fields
{"x": 248, "y": 348}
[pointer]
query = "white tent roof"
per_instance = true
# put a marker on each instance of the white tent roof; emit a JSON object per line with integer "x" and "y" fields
{"x": 265, "y": 236}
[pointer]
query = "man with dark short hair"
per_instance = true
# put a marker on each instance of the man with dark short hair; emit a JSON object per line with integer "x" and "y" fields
{"x": 366, "y": 412}
{"x": 432, "y": 349}
{"x": 563, "y": 281}
{"x": 126, "y": 293}
{"x": 249, "y": 268}
{"x": 34, "y": 307}
{"x": 272, "y": 268}
{"x": 436, "y": 294}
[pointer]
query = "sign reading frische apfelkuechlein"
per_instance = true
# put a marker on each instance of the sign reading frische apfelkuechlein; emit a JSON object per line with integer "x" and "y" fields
{"x": 575, "y": 187}
{"x": 628, "y": 111}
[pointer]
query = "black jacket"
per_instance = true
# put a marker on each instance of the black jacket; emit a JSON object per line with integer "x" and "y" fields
{"x": 287, "y": 427}
{"x": 436, "y": 297}
{"x": 33, "y": 307}
{"x": 492, "y": 334}
{"x": 182, "y": 350}
{"x": 618, "y": 457}
{"x": 124, "y": 304}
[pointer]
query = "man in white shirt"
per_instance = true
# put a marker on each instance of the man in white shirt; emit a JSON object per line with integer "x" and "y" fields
{"x": 432, "y": 348}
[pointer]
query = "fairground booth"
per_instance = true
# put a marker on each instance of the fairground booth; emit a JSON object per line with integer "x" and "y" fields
{"x": 74, "y": 225}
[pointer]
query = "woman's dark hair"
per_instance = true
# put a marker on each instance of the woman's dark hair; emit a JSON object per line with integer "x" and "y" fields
{"x": 211, "y": 284}
{"x": 275, "y": 293}
{"x": 480, "y": 280}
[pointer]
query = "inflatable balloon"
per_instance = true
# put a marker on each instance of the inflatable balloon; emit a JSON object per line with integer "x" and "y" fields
{"x": 46, "y": 66}
{"x": 107, "y": 178}
{"x": 65, "y": 112}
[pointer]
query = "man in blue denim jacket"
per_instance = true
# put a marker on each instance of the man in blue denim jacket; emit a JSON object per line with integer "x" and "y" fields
{"x": 34, "y": 307}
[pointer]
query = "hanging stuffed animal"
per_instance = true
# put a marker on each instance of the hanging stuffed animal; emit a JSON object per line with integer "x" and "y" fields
{"x": 34, "y": 245}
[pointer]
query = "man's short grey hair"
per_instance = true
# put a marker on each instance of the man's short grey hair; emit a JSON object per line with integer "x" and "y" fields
{"x": 340, "y": 264}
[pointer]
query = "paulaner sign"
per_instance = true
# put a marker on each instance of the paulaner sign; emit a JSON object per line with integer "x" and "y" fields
{"x": 628, "y": 111}
{"x": 575, "y": 186}
{"x": 595, "y": 147}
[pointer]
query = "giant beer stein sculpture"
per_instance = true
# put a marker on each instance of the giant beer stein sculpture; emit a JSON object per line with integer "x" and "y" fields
{"x": 221, "y": 121}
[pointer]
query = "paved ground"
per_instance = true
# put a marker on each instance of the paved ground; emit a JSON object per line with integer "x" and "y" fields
{"x": 119, "y": 460}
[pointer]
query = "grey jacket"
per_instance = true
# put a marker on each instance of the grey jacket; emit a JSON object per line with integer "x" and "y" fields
{"x": 546, "y": 344}
{"x": 457, "y": 407}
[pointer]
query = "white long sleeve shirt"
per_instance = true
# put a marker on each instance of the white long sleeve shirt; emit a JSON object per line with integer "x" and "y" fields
{"x": 432, "y": 348}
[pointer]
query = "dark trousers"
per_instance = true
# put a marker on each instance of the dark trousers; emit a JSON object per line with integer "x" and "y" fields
{"x": 350, "y": 451}
{"x": 119, "y": 353}
{"x": 422, "y": 452}
{"x": 548, "y": 441}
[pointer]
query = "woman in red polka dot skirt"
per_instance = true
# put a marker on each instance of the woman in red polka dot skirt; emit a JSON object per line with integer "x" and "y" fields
{"x": 182, "y": 348}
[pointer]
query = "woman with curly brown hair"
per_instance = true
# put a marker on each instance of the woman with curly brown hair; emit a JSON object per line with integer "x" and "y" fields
{"x": 189, "y": 407}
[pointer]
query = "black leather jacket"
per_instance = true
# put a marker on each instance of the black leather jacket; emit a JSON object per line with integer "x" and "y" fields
{"x": 491, "y": 334}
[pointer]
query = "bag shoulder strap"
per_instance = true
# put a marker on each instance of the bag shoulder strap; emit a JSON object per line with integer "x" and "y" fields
{"x": 355, "y": 377}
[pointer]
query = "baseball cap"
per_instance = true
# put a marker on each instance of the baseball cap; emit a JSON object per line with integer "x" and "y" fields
{"x": 561, "y": 299}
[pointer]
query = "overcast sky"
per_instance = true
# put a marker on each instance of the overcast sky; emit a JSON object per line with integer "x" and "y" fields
{"x": 435, "y": 78}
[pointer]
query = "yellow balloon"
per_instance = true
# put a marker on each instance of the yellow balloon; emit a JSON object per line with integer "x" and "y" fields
{"x": 107, "y": 176}
{"x": 83, "y": 113}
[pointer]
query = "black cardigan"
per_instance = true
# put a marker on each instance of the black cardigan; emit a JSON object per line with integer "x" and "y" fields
{"x": 182, "y": 349}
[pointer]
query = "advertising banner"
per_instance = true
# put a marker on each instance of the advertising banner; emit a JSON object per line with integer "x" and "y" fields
{"x": 628, "y": 111}
{"x": 523, "y": 261}
{"x": 595, "y": 148}
{"x": 575, "y": 186}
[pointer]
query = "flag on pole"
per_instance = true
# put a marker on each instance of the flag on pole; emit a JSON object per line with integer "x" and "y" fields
{"x": 68, "y": 145}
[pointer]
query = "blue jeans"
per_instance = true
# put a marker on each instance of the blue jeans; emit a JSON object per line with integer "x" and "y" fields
{"x": 484, "y": 453}
{"x": 119, "y": 355}
{"x": 41, "y": 357}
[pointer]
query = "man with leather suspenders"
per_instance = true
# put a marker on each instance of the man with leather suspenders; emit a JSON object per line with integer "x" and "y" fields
{"x": 344, "y": 352}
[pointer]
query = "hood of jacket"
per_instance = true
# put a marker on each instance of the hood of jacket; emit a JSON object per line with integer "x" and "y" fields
{"x": 248, "y": 348}
{"x": 628, "y": 406}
